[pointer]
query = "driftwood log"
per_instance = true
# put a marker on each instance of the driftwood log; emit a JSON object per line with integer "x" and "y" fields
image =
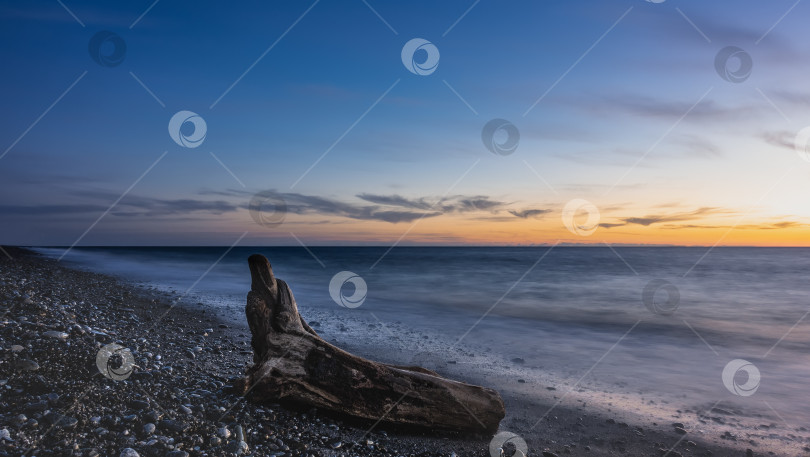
{"x": 292, "y": 363}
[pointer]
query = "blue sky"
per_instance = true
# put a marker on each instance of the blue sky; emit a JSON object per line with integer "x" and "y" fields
{"x": 636, "y": 120}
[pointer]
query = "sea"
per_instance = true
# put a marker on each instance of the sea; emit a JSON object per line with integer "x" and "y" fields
{"x": 718, "y": 336}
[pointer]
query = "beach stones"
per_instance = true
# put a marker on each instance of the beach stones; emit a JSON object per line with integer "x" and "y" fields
{"x": 35, "y": 407}
{"x": 177, "y": 454}
{"x": 139, "y": 405}
{"x": 26, "y": 365}
{"x": 237, "y": 447}
{"x": 115, "y": 418}
{"x": 174, "y": 426}
{"x": 56, "y": 335}
{"x": 61, "y": 421}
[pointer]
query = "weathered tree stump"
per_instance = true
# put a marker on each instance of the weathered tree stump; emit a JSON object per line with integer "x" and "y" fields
{"x": 292, "y": 363}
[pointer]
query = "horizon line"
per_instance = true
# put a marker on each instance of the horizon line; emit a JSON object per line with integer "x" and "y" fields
{"x": 579, "y": 245}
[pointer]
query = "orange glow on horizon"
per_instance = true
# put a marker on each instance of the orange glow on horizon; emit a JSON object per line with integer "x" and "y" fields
{"x": 461, "y": 230}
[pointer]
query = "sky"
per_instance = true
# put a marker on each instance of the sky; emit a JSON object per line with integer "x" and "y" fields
{"x": 343, "y": 122}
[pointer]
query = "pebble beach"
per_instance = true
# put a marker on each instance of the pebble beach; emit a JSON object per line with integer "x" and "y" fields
{"x": 91, "y": 365}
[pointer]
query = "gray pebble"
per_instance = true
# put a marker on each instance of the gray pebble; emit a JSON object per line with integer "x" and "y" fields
{"x": 56, "y": 335}
{"x": 139, "y": 404}
{"x": 237, "y": 447}
{"x": 27, "y": 365}
{"x": 129, "y": 452}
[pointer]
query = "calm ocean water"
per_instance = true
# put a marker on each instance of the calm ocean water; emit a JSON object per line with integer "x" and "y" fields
{"x": 575, "y": 315}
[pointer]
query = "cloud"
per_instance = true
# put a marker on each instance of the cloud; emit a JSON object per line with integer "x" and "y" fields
{"x": 608, "y": 225}
{"x": 800, "y": 99}
{"x": 396, "y": 200}
{"x": 130, "y": 206}
{"x": 225, "y": 193}
{"x": 310, "y": 204}
{"x": 477, "y": 204}
{"x": 527, "y": 213}
{"x": 787, "y": 224}
{"x": 452, "y": 204}
{"x": 662, "y": 218}
{"x": 645, "y": 106}
{"x": 52, "y": 209}
{"x": 385, "y": 208}
{"x": 771, "y": 226}
{"x": 781, "y": 139}
{"x": 696, "y": 146}
{"x": 401, "y": 216}
{"x": 159, "y": 207}
{"x": 659, "y": 218}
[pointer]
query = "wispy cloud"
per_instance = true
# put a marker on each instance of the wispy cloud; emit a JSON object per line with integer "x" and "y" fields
{"x": 647, "y": 107}
{"x": 780, "y": 138}
{"x": 767, "y": 226}
{"x": 369, "y": 207}
{"x": 659, "y": 218}
{"x": 455, "y": 203}
{"x": 651, "y": 219}
{"x": 50, "y": 209}
{"x": 396, "y": 200}
{"x": 310, "y": 204}
{"x": 527, "y": 213}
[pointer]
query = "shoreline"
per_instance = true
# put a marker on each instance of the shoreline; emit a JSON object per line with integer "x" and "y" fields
{"x": 69, "y": 314}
